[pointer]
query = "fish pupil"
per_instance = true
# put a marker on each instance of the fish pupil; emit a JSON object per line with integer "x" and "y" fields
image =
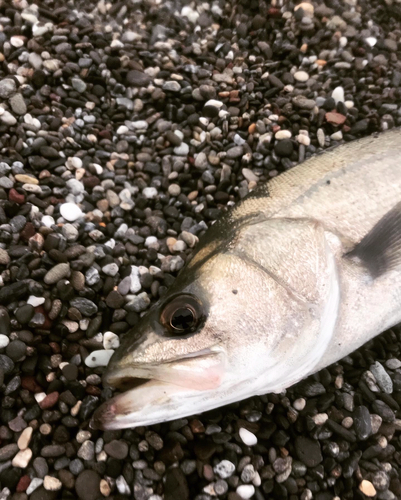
{"x": 182, "y": 319}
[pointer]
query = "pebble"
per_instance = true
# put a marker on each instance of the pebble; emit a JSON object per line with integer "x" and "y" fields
{"x": 283, "y": 134}
{"x": 35, "y": 483}
{"x": 51, "y": 483}
{"x": 383, "y": 379}
{"x": 87, "y": 485}
{"x": 111, "y": 340}
{"x": 4, "y": 341}
{"x": 224, "y": 469}
{"x": 367, "y": 488}
{"x": 22, "y": 458}
{"x": 99, "y": 358}
{"x": 301, "y": 76}
{"x": 338, "y": 95}
{"x": 57, "y": 273}
{"x": 87, "y": 450}
{"x": 308, "y": 451}
{"x": 247, "y": 437}
{"x": 245, "y": 491}
{"x": 25, "y": 438}
{"x": 70, "y": 212}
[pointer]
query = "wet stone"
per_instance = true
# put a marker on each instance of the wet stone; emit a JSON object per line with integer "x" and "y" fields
{"x": 308, "y": 451}
{"x": 117, "y": 449}
{"x": 87, "y": 485}
{"x": 382, "y": 409}
{"x": 362, "y": 422}
{"x": 176, "y": 486}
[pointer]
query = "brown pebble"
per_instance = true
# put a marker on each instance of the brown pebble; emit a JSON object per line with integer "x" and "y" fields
{"x": 49, "y": 401}
{"x": 87, "y": 485}
{"x": 196, "y": 426}
{"x": 67, "y": 478}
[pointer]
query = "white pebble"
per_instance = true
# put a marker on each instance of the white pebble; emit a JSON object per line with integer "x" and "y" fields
{"x": 299, "y": 404}
{"x": 215, "y": 103}
{"x": 4, "y": 341}
{"x": 16, "y": 41}
{"x": 303, "y": 139}
{"x": 122, "y": 129}
{"x": 39, "y": 396}
{"x": 140, "y": 125}
{"x": 238, "y": 140}
{"x": 110, "y": 340}
{"x": 282, "y": 134}
{"x": 371, "y": 40}
{"x": 246, "y": 491}
{"x": 135, "y": 280}
{"x": 73, "y": 162}
{"x": 338, "y": 95}
{"x": 301, "y": 76}
{"x": 247, "y": 437}
{"x": 22, "y": 458}
{"x": 150, "y": 193}
{"x": 151, "y": 240}
{"x": 99, "y": 358}
{"x": 122, "y": 486}
{"x": 70, "y": 212}
{"x": 349, "y": 104}
{"x": 320, "y": 418}
{"x": 224, "y": 469}
{"x": 48, "y": 221}
{"x": 182, "y": 149}
{"x": 35, "y": 301}
{"x": 34, "y": 485}
{"x": 337, "y": 136}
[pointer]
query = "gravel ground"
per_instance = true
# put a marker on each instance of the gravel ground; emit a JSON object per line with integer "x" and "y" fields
{"x": 126, "y": 128}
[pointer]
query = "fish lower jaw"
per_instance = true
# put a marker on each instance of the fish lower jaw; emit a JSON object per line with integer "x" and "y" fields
{"x": 144, "y": 405}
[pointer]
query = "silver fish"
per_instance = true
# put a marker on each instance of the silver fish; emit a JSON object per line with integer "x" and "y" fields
{"x": 296, "y": 276}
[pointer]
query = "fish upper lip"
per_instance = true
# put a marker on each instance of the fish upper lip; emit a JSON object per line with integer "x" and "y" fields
{"x": 114, "y": 376}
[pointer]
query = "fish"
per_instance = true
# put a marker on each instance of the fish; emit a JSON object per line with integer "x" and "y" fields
{"x": 296, "y": 276}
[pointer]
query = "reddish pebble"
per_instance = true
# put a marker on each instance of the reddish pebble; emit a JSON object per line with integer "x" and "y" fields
{"x": 28, "y": 231}
{"x": 105, "y": 134}
{"x": 91, "y": 182}
{"x": 23, "y": 483}
{"x": 335, "y": 118}
{"x": 93, "y": 390}
{"x": 273, "y": 12}
{"x": 16, "y": 197}
{"x": 48, "y": 322}
{"x": 55, "y": 347}
{"x": 196, "y": 426}
{"x": 49, "y": 401}
{"x": 30, "y": 384}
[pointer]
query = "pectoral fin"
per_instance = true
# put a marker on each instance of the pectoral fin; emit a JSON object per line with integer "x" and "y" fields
{"x": 380, "y": 249}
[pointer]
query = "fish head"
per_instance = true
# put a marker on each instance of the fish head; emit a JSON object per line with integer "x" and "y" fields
{"x": 227, "y": 329}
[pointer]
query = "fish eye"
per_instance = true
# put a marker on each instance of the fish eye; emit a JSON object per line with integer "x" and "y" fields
{"x": 182, "y": 315}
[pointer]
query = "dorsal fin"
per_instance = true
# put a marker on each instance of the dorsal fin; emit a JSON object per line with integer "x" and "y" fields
{"x": 380, "y": 249}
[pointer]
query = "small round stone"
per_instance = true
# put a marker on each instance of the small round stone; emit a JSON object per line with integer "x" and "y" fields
{"x": 301, "y": 76}
{"x": 70, "y": 212}
{"x": 87, "y": 485}
{"x": 246, "y": 491}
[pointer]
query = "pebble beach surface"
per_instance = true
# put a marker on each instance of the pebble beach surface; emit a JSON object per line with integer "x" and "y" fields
{"x": 126, "y": 129}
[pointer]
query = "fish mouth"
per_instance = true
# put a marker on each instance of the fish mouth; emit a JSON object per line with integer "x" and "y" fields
{"x": 156, "y": 393}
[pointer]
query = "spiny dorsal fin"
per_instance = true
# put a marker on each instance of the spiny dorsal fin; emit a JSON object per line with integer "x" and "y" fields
{"x": 380, "y": 249}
